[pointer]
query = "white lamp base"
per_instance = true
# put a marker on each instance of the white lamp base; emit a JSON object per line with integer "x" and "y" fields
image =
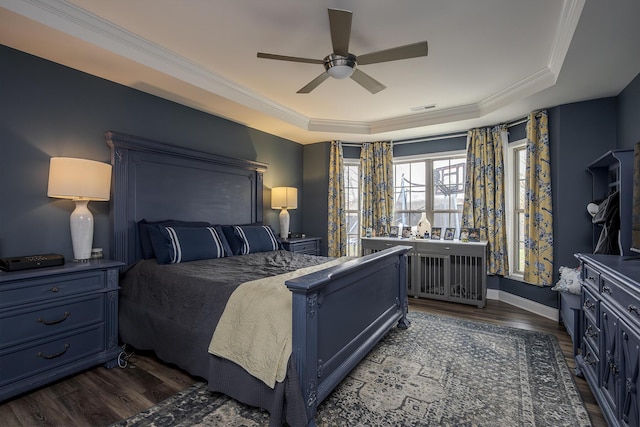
{"x": 81, "y": 222}
{"x": 284, "y": 224}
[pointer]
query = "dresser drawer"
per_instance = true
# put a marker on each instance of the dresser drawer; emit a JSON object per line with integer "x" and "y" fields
{"x": 591, "y": 276}
{"x": 35, "y": 322}
{"x": 36, "y": 357}
{"x": 627, "y": 299}
{"x": 592, "y": 334}
{"x": 591, "y": 361}
{"x": 59, "y": 286}
{"x": 591, "y": 306}
{"x": 302, "y": 247}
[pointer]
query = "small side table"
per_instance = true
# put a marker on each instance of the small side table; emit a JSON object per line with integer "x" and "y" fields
{"x": 302, "y": 245}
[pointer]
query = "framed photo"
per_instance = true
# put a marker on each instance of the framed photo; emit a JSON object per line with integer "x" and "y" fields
{"x": 474, "y": 235}
{"x": 449, "y": 233}
{"x": 393, "y": 231}
{"x": 406, "y": 232}
{"x": 464, "y": 234}
{"x": 435, "y": 233}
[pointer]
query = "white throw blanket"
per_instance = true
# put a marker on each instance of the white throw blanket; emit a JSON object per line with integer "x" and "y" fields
{"x": 255, "y": 330}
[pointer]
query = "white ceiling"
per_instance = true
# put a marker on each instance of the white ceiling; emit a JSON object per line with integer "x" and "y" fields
{"x": 490, "y": 61}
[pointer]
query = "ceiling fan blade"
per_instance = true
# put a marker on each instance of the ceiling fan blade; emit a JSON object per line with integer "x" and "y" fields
{"x": 367, "y": 82}
{"x": 413, "y": 50}
{"x": 340, "y": 24}
{"x": 289, "y": 58}
{"x": 314, "y": 83}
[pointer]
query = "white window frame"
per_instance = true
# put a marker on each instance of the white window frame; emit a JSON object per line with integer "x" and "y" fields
{"x": 429, "y": 159}
{"x": 358, "y": 250}
{"x": 511, "y": 189}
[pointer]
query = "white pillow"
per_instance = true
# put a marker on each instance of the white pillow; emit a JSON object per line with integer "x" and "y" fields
{"x": 569, "y": 281}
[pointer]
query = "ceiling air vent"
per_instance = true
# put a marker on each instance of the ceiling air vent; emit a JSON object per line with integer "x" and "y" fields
{"x": 423, "y": 108}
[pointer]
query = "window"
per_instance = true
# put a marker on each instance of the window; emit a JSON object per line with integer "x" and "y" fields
{"x": 434, "y": 185}
{"x": 352, "y": 206}
{"x": 515, "y": 200}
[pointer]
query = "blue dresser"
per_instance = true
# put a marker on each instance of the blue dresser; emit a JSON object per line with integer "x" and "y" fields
{"x": 610, "y": 347}
{"x": 56, "y": 321}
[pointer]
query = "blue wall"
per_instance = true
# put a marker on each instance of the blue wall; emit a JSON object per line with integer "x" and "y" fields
{"x": 579, "y": 134}
{"x": 629, "y": 118}
{"x": 51, "y": 110}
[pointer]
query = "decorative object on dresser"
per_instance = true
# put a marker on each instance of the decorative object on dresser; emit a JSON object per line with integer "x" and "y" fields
{"x": 442, "y": 269}
{"x": 56, "y": 321}
{"x": 302, "y": 245}
{"x": 424, "y": 226}
{"x": 80, "y": 180}
{"x": 610, "y": 347}
{"x": 30, "y": 261}
{"x": 284, "y": 198}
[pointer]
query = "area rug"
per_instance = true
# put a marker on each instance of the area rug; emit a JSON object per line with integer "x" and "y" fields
{"x": 442, "y": 371}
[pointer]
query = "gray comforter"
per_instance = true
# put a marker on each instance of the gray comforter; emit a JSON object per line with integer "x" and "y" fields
{"x": 173, "y": 310}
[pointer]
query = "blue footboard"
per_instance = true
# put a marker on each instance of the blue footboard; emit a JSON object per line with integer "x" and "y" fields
{"x": 340, "y": 313}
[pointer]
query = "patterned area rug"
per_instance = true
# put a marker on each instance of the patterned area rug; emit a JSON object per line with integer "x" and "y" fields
{"x": 441, "y": 371}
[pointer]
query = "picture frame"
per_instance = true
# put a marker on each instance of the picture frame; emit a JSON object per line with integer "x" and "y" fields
{"x": 406, "y": 232}
{"x": 474, "y": 235}
{"x": 464, "y": 234}
{"x": 393, "y": 231}
{"x": 449, "y": 233}
{"x": 436, "y": 233}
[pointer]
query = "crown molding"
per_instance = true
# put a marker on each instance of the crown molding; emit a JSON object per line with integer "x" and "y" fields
{"x": 70, "y": 19}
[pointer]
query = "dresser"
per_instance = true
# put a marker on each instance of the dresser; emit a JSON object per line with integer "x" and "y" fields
{"x": 302, "y": 245}
{"x": 610, "y": 349}
{"x": 56, "y": 321}
{"x": 448, "y": 270}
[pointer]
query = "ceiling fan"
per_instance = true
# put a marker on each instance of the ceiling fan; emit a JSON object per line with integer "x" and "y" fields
{"x": 341, "y": 64}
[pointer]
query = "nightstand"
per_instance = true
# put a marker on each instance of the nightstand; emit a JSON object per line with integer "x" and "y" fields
{"x": 56, "y": 321}
{"x": 302, "y": 245}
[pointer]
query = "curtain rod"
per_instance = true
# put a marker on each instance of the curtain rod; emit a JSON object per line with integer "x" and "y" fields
{"x": 432, "y": 138}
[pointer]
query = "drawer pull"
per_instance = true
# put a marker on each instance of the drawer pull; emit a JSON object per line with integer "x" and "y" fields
{"x": 53, "y": 322}
{"x": 591, "y": 278}
{"x": 590, "y": 333}
{"x": 606, "y": 289}
{"x": 53, "y": 356}
{"x": 587, "y": 359}
{"x": 633, "y": 309}
{"x": 55, "y": 289}
{"x": 588, "y": 305}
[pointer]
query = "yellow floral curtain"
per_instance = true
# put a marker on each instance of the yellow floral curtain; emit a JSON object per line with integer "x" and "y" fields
{"x": 337, "y": 221}
{"x": 484, "y": 198}
{"x": 538, "y": 211}
{"x": 376, "y": 187}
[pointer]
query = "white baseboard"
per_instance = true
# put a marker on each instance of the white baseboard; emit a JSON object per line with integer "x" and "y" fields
{"x": 525, "y": 304}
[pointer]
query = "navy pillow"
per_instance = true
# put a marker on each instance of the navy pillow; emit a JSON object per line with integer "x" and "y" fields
{"x": 180, "y": 244}
{"x": 145, "y": 239}
{"x": 255, "y": 238}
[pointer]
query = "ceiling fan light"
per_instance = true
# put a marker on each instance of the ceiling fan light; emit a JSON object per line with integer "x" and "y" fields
{"x": 340, "y": 67}
{"x": 340, "y": 71}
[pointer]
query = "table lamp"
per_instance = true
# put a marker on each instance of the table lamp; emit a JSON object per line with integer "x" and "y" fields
{"x": 284, "y": 198}
{"x": 80, "y": 180}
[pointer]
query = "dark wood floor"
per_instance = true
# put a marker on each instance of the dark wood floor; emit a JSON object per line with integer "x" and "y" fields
{"x": 99, "y": 397}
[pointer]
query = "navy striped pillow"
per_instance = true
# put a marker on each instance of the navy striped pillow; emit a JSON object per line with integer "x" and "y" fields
{"x": 256, "y": 238}
{"x": 180, "y": 244}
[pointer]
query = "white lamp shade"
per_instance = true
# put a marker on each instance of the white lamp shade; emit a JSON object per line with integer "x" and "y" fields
{"x": 284, "y": 198}
{"x": 79, "y": 179}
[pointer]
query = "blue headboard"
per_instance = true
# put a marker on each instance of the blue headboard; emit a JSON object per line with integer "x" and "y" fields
{"x": 156, "y": 181}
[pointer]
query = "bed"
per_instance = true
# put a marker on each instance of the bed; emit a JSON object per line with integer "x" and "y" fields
{"x": 338, "y": 313}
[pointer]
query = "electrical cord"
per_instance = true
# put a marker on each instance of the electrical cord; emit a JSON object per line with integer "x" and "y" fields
{"x": 123, "y": 357}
